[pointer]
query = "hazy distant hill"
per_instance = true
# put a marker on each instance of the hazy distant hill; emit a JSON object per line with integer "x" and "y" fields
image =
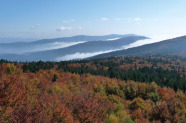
{"x": 12, "y": 40}
{"x": 87, "y": 47}
{"x": 48, "y": 44}
{"x": 176, "y": 46}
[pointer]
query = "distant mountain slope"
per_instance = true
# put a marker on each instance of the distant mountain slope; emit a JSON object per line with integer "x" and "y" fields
{"x": 11, "y": 40}
{"x": 176, "y": 46}
{"x": 87, "y": 47}
{"x": 48, "y": 44}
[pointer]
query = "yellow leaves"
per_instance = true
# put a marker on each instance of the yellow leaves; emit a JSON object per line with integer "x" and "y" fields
{"x": 116, "y": 102}
{"x": 71, "y": 87}
{"x": 113, "y": 99}
{"x": 119, "y": 114}
{"x": 119, "y": 117}
{"x": 142, "y": 88}
{"x": 181, "y": 96}
{"x": 60, "y": 89}
{"x": 98, "y": 88}
{"x": 138, "y": 103}
{"x": 61, "y": 114}
{"x": 75, "y": 78}
{"x": 10, "y": 68}
{"x": 35, "y": 82}
{"x": 105, "y": 68}
{"x": 32, "y": 89}
{"x": 112, "y": 119}
{"x": 85, "y": 98}
{"x": 153, "y": 87}
{"x": 122, "y": 114}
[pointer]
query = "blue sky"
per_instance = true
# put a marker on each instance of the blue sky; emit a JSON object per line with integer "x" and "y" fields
{"x": 59, "y": 18}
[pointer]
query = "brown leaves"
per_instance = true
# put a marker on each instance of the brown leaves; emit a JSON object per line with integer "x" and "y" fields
{"x": 33, "y": 97}
{"x": 90, "y": 109}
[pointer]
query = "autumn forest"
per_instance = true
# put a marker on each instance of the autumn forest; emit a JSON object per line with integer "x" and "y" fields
{"x": 111, "y": 90}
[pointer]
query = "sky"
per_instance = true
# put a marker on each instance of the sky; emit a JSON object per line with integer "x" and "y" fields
{"x": 40, "y": 19}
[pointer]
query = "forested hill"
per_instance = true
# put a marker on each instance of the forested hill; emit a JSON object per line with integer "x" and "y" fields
{"x": 176, "y": 46}
{"x": 66, "y": 92}
{"x": 165, "y": 71}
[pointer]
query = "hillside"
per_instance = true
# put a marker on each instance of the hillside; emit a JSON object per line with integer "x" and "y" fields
{"x": 48, "y": 44}
{"x": 86, "y": 47}
{"x": 58, "y": 96}
{"x": 174, "y": 46}
{"x": 165, "y": 71}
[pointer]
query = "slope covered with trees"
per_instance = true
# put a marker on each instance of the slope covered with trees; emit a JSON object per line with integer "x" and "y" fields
{"x": 175, "y": 46}
{"x": 57, "y": 96}
{"x": 165, "y": 71}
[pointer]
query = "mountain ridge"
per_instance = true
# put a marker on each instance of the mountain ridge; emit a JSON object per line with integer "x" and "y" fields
{"x": 174, "y": 46}
{"x": 86, "y": 47}
{"x": 46, "y": 44}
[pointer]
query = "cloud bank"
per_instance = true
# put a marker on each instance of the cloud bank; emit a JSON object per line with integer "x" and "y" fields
{"x": 153, "y": 39}
{"x": 80, "y": 55}
{"x": 55, "y": 45}
{"x": 111, "y": 39}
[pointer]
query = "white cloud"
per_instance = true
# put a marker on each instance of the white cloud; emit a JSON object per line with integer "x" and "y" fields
{"x": 137, "y": 19}
{"x": 153, "y": 39}
{"x": 51, "y": 46}
{"x": 104, "y": 19}
{"x": 64, "y": 28}
{"x": 112, "y": 39}
{"x": 80, "y": 55}
{"x": 57, "y": 45}
{"x": 69, "y": 21}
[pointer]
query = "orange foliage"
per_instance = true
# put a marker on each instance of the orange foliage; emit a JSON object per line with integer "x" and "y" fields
{"x": 33, "y": 97}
